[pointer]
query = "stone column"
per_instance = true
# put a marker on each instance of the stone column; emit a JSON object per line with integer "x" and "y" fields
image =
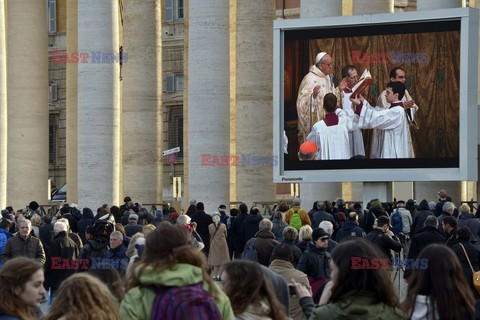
{"x": 324, "y": 8}
{"x": 423, "y": 5}
{"x": 372, "y": 6}
{"x": 141, "y": 110}
{"x": 311, "y": 192}
{"x": 428, "y": 190}
{"x": 208, "y": 101}
{"x": 3, "y": 107}
{"x": 27, "y": 87}
{"x": 72, "y": 100}
{"x": 253, "y": 100}
{"x": 98, "y": 104}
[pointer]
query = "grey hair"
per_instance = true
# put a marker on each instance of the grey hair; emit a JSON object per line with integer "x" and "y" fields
{"x": 327, "y": 226}
{"x": 431, "y": 221}
{"x": 60, "y": 226}
{"x": 296, "y": 202}
{"x": 321, "y": 205}
{"x": 265, "y": 224}
{"x": 184, "y": 219}
{"x": 432, "y": 205}
{"x": 305, "y": 233}
{"x": 64, "y": 220}
{"x": 27, "y": 221}
{"x": 447, "y": 206}
{"x": 116, "y": 234}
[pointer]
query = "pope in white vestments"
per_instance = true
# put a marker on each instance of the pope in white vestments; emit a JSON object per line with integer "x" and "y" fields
{"x": 331, "y": 134}
{"x": 392, "y": 122}
{"x": 314, "y": 86}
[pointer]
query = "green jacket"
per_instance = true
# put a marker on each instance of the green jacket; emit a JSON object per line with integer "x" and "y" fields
{"x": 357, "y": 305}
{"x": 138, "y": 301}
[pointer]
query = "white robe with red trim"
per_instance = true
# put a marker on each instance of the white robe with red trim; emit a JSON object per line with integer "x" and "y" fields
{"x": 332, "y": 141}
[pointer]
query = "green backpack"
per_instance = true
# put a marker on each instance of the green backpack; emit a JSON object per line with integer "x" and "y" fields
{"x": 295, "y": 220}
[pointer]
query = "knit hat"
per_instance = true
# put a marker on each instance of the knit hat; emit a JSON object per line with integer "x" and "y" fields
{"x": 33, "y": 205}
{"x": 159, "y": 214}
{"x": 376, "y": 203}
{"x": 319, "y": 233}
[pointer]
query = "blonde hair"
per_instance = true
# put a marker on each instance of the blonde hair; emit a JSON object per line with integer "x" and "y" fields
{"x": 464, "y": 208}
{"x": 147, "y": 229}
{"x": 137, "y": 238}
{"x": 82, "y": 296}
{"x": 36, "y": 220}
{"x": 216, "y": 218}
{"x": 305, "y": 233}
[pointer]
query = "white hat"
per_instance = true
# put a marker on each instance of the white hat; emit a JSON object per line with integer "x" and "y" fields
{"x": 320, "y": 57}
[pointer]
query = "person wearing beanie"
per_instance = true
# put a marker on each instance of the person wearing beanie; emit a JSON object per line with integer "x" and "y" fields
{"x": 315, "y": 261}
{"x": 203, "y": 220}
{"x": 373, "y": 213}
{"x": 282, "y": 258}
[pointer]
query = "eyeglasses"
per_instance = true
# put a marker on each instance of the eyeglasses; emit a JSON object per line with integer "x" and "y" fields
{"x": 328, "y": 64}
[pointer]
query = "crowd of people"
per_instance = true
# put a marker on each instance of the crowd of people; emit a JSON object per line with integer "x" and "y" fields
{"x": 335, "y": 261}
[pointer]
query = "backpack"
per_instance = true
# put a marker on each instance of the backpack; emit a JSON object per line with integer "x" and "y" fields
{"x": 295, "y": 220}
{"x": 186, "y": 302}
{"x": 397, "y": 223}
{"x": 250, "y": 252}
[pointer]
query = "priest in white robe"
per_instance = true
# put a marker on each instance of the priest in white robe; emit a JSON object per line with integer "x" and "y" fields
{"x": 355, "y": 136}
{"x": 392, "y": 122}
{"x": 331, "y": 134}
{"x": 314, "y": 86}
{"x": 397, "y": 74}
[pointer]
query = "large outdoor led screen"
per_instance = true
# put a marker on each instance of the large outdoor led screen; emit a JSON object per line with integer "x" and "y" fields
{"x": 418, "y": 119}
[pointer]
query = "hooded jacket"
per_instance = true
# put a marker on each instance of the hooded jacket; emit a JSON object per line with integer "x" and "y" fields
{"x": 85, "y": 222}
{"x": 138, "y": 301}
{"x": 355, "y": 305}
{"x": 423, "y": 211}
{"x": 250, "y": 227}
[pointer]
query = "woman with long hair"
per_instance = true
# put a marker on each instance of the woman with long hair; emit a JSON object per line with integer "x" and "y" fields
{"x": 355, "y": 292}
{"x": 440, "y": 290}
{"x": 251, "y": 294}
{"x": 21, "y": 289}
{"x": 218, "y": 253}
{"x": 83, "y": 296}
{"x": 169, "y": 262}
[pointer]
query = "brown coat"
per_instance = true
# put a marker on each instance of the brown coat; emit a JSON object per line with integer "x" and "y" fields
{"x": 288, "y": 272}
{"x": 264, "y": 243}
{"x": 218, "y": 245}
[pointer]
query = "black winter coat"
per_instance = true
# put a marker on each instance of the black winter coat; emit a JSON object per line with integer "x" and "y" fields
{"x": 384, "y": 242}
{"x": 55, "y": 270}
{"x": 250, "y": 227}
{"x": 422, "y": 239}
{"x": 348, "y": 230}
{"x": 315, "y": 262}
{"x": 203, "y": 220}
